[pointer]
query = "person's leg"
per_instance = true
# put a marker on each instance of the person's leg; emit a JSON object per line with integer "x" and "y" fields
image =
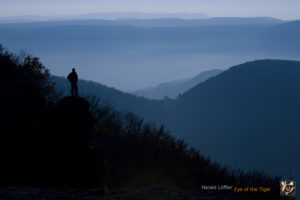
{"x": 72, "y": 90}
{"x": 76, "y": 89}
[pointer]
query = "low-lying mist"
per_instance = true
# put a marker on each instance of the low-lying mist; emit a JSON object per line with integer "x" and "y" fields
{"x": 130, "y": 57}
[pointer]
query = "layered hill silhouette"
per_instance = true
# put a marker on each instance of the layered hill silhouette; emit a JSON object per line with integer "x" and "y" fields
{"x": 174, "y": 88}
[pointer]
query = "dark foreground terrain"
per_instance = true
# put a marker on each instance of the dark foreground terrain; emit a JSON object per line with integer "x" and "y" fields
{"x": 148, "y": 193}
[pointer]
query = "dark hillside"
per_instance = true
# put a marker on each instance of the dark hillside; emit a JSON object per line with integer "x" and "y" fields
{"x": 244, "y": 116}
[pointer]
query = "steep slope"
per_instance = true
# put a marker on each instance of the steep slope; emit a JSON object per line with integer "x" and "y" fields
{"x": 174, "y": 88}
{"x": 248, "y": 116}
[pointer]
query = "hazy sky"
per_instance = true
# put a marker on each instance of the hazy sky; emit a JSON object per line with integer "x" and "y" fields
{"x": 285, "y": 9}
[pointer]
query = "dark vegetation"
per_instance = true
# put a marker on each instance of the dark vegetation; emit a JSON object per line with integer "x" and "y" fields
{"x": 47, "y": 141}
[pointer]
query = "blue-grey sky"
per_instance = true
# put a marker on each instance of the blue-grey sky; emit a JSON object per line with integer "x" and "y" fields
{"x": 284, "y": 9}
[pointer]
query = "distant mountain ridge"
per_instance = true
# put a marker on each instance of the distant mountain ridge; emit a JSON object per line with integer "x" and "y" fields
{"x": 30, "y": 21}
{"x": 174, "y": 88}
{"x": 103, "y": 15}
{"x": 214, "y": 21}
{"x": 179, "y": 50}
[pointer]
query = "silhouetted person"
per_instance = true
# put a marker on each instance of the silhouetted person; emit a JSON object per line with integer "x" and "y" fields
{"x": 73, "y": 78}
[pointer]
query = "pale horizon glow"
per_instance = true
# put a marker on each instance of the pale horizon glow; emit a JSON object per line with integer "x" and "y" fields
{"x": 288, "y": 9}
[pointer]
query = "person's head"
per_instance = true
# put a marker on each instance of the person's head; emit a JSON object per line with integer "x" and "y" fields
{"x": 73, "y": 69}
